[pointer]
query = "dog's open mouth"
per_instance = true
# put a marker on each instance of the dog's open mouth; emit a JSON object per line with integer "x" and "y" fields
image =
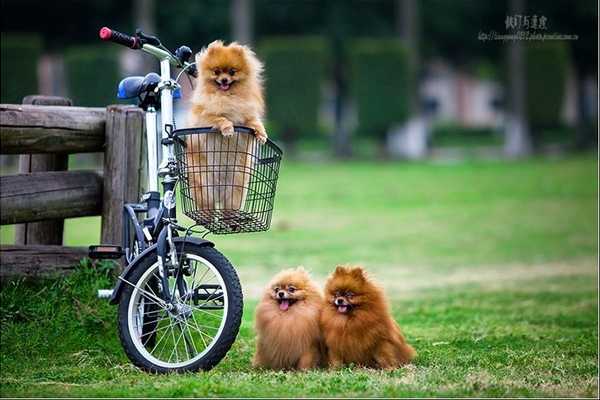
{"x": 284, "y": 304}
{"x": 224, "y": 86}
{"x": 343, "y": 308}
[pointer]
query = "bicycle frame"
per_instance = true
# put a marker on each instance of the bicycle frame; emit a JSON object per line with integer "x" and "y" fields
{"x": 161, "y": 213}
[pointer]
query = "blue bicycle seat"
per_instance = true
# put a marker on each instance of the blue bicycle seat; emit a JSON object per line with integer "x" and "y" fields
{"x": 134, "y": 86}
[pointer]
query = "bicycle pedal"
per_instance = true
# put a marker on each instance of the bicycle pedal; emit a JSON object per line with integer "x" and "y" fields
{"x": 105, "y": 251}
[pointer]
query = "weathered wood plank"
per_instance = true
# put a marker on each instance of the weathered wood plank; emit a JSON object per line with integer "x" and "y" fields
{"x": 42, "y": 100}
{"x": 122, "y": 167}
{"x": 30, "y": 129}
{"x": 38, "y": 260}
{"x": 49, "y": 195}
{"x": 43, "y": 232}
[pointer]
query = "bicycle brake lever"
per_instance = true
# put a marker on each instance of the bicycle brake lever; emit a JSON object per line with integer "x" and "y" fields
{"x": 147, "y": 39}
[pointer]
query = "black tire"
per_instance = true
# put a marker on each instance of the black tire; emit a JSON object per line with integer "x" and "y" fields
{"x": 232, "y": 322}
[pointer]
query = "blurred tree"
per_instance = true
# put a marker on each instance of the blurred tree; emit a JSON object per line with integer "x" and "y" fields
{"x": 407, "y": 24}
{"x": 242, "y": 18}
{"x": 546, "y": 71}
{"x": 576, "y": 18}
{"x": 193, "y": 23}
{"x": 92, "y": 75}
{"x": 65, "y": 22}
{"x": 19, "y": 56}
{"x": 381, "y": 82}
{"x": 296, "y": 67}
{"x": 517, "y": 140}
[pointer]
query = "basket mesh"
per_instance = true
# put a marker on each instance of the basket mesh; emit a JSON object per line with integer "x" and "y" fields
{"x": 227, "y": 184}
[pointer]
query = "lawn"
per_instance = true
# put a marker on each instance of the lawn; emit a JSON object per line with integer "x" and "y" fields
{"x": 490, "y": 268}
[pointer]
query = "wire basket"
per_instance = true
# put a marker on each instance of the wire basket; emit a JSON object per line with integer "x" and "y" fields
{"x": 227, "y": 184}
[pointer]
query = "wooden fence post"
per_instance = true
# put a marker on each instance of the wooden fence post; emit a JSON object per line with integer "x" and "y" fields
{"x": 123, "y": 167}
{"x": 45, "y": 232}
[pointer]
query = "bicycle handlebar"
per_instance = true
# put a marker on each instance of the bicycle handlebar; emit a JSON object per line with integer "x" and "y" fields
{"x": 108, "y": 34}
{"x": 143, "y": 41}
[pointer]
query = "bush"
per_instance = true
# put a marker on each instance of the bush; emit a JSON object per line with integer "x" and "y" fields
{"x": 92, "y": 75}
{"x": 19, "y": 56}
{"x": 451, "y": 134}
{"x": 381, "y": 84}
{"x": 546, "y": 73}
{"x": 294, "y": 69}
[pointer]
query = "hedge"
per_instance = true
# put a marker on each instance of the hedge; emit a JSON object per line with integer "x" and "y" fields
{"x": 294, "y": 69}
{"x": 381, "y": 83}
{"x": 92, "y": 75}
{"x": 547, "y": 65}
{"x": 19, "y": 56}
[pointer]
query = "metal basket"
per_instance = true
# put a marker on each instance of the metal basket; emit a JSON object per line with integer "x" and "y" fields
{"x": 227, "y": 184}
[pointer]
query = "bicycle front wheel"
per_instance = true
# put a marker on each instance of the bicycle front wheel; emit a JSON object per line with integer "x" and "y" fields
{"x": 197, "y": 330}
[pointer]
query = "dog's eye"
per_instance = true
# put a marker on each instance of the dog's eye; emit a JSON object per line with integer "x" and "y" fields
{"x": 349, "y": 294}
{"x": 232, "y": 72}
{"x": 276, "y": 289}
{"x": 291, "y": 289}
{"x": 217, "y": 71}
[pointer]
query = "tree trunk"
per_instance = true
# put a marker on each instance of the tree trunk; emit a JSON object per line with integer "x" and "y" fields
{"x": 517, "y": 138}
{"x": 241, "y": 16}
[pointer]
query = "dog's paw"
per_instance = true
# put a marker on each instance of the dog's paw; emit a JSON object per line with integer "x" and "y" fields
{"x": 226, "y": 129}
{"x": 261, "y": 134}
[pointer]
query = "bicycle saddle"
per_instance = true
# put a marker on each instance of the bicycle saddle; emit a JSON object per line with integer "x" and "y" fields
{"x": 135, "y": 86}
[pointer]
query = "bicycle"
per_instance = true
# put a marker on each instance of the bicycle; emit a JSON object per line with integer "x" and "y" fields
{"x": 179, "y": 299}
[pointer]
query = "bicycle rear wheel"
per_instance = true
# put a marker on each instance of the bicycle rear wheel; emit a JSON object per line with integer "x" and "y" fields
{"x": 194, "y": 333}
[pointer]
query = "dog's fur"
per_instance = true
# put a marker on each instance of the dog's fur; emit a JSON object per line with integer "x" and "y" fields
{"x": 356, "y": 323}
{"x": 288, "y": 334}
{"x": 228, "y": 92}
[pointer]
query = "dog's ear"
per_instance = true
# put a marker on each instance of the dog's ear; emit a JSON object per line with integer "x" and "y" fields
{"x": 339, "y": 270}
{"x": 214, "y": 45}
{"x": 358, "y": 273}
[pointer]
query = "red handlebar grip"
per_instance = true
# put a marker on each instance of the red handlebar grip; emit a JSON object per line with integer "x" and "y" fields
{"x": 105, "y": 33}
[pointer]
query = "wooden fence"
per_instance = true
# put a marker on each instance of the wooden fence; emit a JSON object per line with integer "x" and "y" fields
{"x": 44, "y": 131}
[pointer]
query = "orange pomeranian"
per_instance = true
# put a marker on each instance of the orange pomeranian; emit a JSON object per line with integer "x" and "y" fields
{"x": 357, "y": 326}
{"x": 287, "y": 323}
{"x": 228, "y": 92}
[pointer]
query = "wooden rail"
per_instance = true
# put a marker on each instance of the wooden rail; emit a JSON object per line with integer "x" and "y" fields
{"x": 29, "y": 129}
{"x": 39, "y": 260}
{"x": 45, "y": 131}
{"x": 49, "y": 195}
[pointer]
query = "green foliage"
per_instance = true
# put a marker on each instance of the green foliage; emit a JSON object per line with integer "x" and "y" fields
{"x": 19, "y": 56}
{"x": 295, "y": 68}
{"x": 547, "y": 65}
{"x": 382, "y": 83}
{"x": 92, "y": 75}
{"x": 452, "y": 134}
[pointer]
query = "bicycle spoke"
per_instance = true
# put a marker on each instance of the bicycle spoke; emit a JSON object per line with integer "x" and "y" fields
{"x": 200, "y": 330}
{"x": 205, "y": 312}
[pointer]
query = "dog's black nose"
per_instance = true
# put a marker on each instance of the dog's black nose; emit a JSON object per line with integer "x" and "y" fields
{"x": 280, "y": 294}
{"x": 224, "y": 81}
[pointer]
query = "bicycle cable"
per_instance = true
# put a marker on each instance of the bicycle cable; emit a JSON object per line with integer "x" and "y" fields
{"x": 182, "y": 71}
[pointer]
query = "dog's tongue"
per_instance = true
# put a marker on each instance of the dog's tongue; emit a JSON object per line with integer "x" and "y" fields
{"x": 224, "y": 86}
{"x": 284, "y": 305}
{"x": 342, "y": 309}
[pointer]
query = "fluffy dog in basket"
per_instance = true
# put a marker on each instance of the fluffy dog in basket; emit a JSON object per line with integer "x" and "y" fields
{"x": 228, "y": 92}
{"x": 287, "y": 323}
{"x": 357, "y": 325}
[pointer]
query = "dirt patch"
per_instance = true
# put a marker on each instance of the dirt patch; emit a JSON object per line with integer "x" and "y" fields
{"x": 408, "y": 281}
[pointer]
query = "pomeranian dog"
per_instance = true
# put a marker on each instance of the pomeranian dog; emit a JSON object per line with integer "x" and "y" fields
{"x": 356, "y": 323}
{"x": 287, "y": 323}
{"x": 229, "y": 92}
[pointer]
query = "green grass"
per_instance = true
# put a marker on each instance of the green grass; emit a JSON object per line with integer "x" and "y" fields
{"x": 490, "y": 267}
